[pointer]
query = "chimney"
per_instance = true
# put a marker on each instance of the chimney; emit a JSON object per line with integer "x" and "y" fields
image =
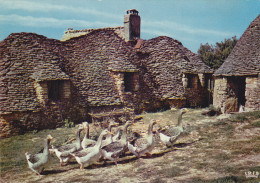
{"x": 132, "y": 22}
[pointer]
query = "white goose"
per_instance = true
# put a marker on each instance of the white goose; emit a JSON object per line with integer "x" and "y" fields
{"x": 87, "y": 142}
{"x": 116, "y": 137}
{"x": 143, "y": 145}
{"x": 63, "y": 152}
{"x": 113, "y": 150}
{"x": 108, "y": 139}
{"x": 37, "y": 162}
{"x": 170, "y": 136}
{"x": 90, "y": 155}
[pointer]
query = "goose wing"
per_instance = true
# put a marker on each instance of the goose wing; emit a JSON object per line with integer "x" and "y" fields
{"x": 112, "y": 147}
{"x": 35, "y": 158}
{"x": 116, "y": 148}
{"x": 173, "y": 131}
{"x": 82, "y": 153}
{"x": 141, "y": 143}
{"x": 88, "y": 143}
{"x": 66, "y": 147}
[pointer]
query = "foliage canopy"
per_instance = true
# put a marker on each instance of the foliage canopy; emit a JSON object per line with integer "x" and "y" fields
{"x": 214, "y": 55}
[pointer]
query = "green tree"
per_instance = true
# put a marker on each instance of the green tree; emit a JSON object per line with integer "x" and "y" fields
{"x": 215, "y": 55}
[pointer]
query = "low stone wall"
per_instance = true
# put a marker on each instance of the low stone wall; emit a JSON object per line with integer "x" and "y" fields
{"x": 177, "y": 103}
{"x": 50, "y": 116}
{"x": 20, "y": 122}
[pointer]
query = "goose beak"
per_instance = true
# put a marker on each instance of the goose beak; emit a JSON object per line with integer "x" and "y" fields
{"x": 50, "y": 137}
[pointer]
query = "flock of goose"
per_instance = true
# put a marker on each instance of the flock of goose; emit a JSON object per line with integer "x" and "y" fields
{"x": 87, "y": 152}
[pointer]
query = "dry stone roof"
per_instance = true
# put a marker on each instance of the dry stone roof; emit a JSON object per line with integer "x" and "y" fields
{"x": 88, "y": 61}
{"x": 20, "y": 55}
{"x": 245, "y": 57}
{"x": 166, "y": 60}
{"x": 70, "y": 33}
{"x": 48, "y": 71}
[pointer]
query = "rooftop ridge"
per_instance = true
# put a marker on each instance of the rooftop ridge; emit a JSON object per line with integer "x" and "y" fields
{"x": 70, "y": 33}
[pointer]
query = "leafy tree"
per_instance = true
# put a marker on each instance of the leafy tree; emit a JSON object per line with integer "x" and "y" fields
{"x": 215, "y": 55}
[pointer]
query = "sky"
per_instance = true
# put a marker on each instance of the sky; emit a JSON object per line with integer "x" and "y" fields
{"x": 192, "y": 22}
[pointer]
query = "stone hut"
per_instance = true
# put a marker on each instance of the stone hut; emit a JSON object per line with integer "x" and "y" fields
{"x": 93, "y": 75}
{"x": 237, "y": 81}
{"x": 171, "y": 75}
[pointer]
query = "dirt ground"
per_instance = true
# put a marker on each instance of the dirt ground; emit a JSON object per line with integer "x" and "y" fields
{"x": 212, "y": 149}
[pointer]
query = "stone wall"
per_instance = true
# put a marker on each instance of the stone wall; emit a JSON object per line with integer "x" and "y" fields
{"x": 252, "y": 93}
{"x": 103, "y": 113}
{"x": 220, "y": 92}
{"x": 19, "y": 122}
{"x": 226, "y": 96}
{"x": 177, "y": 103}
{"x": 196, "y": 94}
{"x": 50, "y": 115}
{"x": 41, "y": 89}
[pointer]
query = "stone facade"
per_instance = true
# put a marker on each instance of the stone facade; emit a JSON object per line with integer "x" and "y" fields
{"x": 197, "y": 94}
{"x": 220, "y": 92}
{"x": 237, "y": 80}
{"x": 228, "y": 98}
{"x": 252, "y": 93}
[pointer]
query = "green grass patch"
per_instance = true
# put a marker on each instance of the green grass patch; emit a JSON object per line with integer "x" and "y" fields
{"x": 241, "y": 117}
{"x": 13, "y": 149}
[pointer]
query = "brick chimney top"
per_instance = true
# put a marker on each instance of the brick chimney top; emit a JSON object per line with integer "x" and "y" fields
{"x": 132, "y": 11}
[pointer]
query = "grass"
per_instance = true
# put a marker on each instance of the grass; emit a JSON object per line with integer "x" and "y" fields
{"x": 228, "y": 179}
{"x": 158, "y": 180}
{"x": 256, "y": 124}
{"x": 218, "y": 144}
{"x": 171, "y": 172}
{"x": 14, "y": 148}
{"x": 242, "y": 117}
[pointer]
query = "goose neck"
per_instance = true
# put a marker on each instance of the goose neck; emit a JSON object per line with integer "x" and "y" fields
{"x": 180, "y": 120}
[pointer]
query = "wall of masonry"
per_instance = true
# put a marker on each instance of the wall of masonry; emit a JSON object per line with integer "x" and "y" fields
{"x": 252, "y": 93}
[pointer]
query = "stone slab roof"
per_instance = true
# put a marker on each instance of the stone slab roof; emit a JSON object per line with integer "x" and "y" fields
{"x": 245, "y": 57}
{"x": 48, "y": 71}
{"x": 20, "y": 55}
{"x": 90, "y": 59}
{"x": 76, "y": 33}
{"x": 166, "y": 60}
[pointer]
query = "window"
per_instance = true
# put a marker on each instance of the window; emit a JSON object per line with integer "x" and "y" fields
{"x": 129, "y": 81}
{"x": 192, "y": 81}
{"x": 54, "y": 90}
{"x": 190, "y": 78}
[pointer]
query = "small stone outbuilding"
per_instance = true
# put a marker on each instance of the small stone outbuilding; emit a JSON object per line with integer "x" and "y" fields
{"x": 237, "y": 81}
